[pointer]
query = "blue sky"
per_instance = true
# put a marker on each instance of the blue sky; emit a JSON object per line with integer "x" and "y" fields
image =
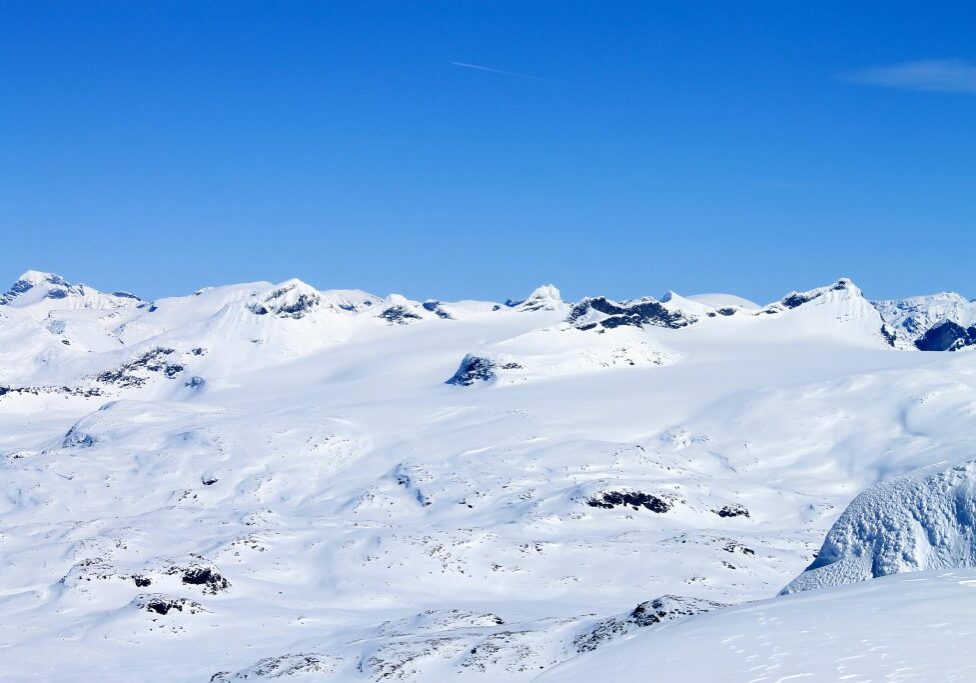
{"x": 473, "y": 149}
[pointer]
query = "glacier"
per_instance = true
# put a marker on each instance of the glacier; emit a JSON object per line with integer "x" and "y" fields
{"x": 267, "y": 480}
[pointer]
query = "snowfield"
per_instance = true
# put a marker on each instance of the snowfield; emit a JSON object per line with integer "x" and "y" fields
{"x": 259, "y": 482}
{"x": 911, "y": 627}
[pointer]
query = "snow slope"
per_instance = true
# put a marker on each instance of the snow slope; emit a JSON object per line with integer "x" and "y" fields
{"x": 724, "y": 300}
{"x": 258, "y": 480}
{"x": 911, "y": 627}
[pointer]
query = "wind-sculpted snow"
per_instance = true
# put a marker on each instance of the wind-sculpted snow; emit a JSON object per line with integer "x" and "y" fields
{"x": 923, "y": 520}
{"x": 264, "y": 481}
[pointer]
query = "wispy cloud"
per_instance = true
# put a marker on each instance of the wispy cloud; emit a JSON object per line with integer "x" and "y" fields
{"x": 933, "y": 75}
{"x": 528, "y": 77}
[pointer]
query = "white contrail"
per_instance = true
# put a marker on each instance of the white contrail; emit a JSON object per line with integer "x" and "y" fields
{"x": 513, "y": 73}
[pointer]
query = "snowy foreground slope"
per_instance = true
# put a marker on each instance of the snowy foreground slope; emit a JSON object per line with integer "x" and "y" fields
{"x": 909, "y": 627}
{"x": 269, "y": 481}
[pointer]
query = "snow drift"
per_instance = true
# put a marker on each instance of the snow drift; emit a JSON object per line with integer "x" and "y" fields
{"x": 922, "y": 520}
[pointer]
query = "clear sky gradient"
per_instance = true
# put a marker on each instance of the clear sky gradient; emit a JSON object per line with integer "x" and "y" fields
{"x": 463, "y": 149}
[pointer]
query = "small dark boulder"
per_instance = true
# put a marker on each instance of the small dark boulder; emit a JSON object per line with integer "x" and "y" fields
{"x": 734, "y": 510}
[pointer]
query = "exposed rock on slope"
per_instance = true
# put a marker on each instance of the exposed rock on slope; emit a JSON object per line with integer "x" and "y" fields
{"x": 47, "y": 291}
{"x": 651, "y": 613}
{"x": 293, "y": 299}
{"x": 922, "y": 520}
{"x": 600, "y": 311}
{"x": 946, "y": 336}
{"x": 478, "y": 369}
{"x": 921, "y": 316}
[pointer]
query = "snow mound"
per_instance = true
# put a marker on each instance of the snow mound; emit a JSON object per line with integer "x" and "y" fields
{"x": 292, "y": 299}
{"x": 717, "y": 300}
{"x": 398, "y": 310}
{"x": 923, "y": 520}
{"x": 555, "y": 352}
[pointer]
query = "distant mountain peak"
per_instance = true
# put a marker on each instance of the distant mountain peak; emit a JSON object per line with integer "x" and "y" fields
{"x": 55, "y": 286}
{"x": 35, "y": 286}
{"x": 291, "y": 299}
{"x": 844, "y": 286}
{"x": 544, "y": 298}
{"x": 37, "y": 277}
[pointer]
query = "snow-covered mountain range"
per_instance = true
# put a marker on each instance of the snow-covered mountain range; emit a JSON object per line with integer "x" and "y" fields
{"x": 265, "y": 481}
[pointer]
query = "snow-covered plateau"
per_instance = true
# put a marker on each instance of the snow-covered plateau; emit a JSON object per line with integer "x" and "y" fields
{"x": 261, "y": 482}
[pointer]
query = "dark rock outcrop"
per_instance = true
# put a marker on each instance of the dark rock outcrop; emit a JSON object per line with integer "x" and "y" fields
{"x": 132, "y": 373}
{"x": 734, "y": 510}
{"x": 165, "y": 604}
{"x": 473, "y": 369}
{"x": 651, "y": 613}
{"x": 947, "y": 336}
{"x": 399, "y": 315}
{"x": 634, "y": 313}
{"x": 633, "y": 499}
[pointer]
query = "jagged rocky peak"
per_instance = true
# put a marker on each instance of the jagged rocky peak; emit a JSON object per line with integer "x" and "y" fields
{"x": 544, "y": 298}
{"x": 601, "y": 312}
{"x": 922, "y": 520}
{"x": 291, "y": 299}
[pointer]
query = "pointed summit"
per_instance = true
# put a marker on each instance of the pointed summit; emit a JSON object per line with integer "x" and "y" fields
{"x": 544, "y": 298}
{"x": 844, "y": 288}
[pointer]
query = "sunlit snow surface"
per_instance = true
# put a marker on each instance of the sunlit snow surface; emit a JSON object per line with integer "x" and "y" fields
{"x": 268, "y": 481}
{"x": 909, "y": 627}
